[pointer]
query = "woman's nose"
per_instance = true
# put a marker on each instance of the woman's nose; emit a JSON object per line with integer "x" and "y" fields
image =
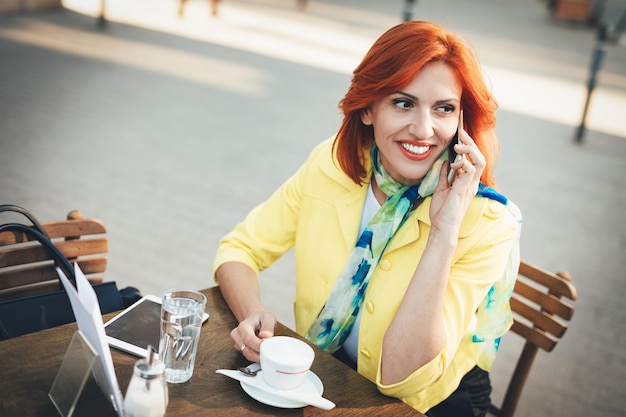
{"x": 422, "y": 126}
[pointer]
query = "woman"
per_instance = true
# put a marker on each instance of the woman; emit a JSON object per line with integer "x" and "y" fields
{"x": 400, "y": 271}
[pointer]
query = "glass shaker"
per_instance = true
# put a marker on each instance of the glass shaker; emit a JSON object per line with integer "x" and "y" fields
{"x": 147, "y": 395}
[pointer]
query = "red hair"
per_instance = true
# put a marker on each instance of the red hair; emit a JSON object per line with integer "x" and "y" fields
{"x": 392, "y": 63}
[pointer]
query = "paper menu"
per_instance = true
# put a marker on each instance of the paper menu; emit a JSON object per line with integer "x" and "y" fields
{"x": 89, "y": 319}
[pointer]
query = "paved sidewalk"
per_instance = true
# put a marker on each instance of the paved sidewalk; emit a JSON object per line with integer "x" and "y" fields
{"x": 170, "y": 130}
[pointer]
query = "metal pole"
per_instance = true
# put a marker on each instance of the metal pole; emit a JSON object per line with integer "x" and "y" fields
{"x": 407, "y": 13}
{"x": 102, "y": 19}
{"x": 596, "y": 62}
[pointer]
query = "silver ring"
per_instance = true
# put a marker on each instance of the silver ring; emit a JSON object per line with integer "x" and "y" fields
{"x": 242, "y": 348}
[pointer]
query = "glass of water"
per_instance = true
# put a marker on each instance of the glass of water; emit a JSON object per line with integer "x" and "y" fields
{"x": 181, "y": 319}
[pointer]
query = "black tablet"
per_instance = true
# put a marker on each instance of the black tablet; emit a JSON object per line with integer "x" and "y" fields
{"x": 136, "y": 327}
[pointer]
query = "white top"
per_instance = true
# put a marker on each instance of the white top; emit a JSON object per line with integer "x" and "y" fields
{"x": 351, "y": 345}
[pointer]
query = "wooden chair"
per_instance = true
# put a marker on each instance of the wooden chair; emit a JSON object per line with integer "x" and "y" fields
{"x": 540, "y": 316}
{"x": 26, "y": 268}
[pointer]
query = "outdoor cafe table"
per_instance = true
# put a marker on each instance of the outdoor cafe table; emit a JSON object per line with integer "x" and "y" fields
{"x": 29, "y": 364}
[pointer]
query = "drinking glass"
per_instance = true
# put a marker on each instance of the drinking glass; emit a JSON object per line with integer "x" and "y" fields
{"x": 181, "y": 319}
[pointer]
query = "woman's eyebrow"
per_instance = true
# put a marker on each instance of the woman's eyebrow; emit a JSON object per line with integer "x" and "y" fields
{"x": 412, "y": 97}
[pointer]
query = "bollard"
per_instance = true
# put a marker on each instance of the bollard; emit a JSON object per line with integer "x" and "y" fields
{"x": 102, "y": 21}
{"x": 407, "y": 13}
{"x": 596, "y": 62}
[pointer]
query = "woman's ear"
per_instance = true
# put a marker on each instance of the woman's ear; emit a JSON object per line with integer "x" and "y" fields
{"x": 366, "y": 117}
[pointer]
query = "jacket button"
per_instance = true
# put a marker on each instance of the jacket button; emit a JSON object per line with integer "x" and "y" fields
{"x": 370, "y": 307}
{"x": 385, "y": 265}
{"x": 494, "y": 210}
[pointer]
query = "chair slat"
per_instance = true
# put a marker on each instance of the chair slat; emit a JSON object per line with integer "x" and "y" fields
{"x": 39, "y": 288}
{"x": 28, "y": 290}
{"x": 534, "y": 336}
{"x": 557, "y": 285}
{"x": 74, "y": 228}
{"x": 36, "y": 253}
{"x": 58, "y": 229}
{"x": 33, "y": 273}
{"x": 542, "y": 320}
{"x": 91, "y": 266}
{"x": 549, "y": 303}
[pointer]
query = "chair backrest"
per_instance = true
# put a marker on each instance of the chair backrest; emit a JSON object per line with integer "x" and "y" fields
{"x": 540, "y": 315}
{"x": 26, "y": 268}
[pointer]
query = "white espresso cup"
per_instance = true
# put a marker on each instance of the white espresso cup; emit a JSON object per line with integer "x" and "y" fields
{"x": 285, "y": 361}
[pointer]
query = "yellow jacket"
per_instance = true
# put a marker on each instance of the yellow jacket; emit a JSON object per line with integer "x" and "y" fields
{"x": 318, "y": 212}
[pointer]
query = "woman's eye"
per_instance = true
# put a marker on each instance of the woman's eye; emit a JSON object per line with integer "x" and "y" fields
{"x": 402, "y": 103}
{"x": 445, "y": 108}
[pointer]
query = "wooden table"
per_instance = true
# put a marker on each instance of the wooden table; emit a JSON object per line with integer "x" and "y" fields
{"x": 29, "y": 364}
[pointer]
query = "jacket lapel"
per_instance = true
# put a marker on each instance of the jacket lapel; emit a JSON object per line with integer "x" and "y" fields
{"x": 349, "y": 208}
{"x": 348, "y": 202}
{"x": 409, "y": 232}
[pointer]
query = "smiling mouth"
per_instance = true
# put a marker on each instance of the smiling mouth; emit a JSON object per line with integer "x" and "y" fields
{"x": 414, "y": 149}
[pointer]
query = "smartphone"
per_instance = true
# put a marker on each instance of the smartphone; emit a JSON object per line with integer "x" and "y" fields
{"x": 454, "y": 157}
{"x": 137, "y": 327}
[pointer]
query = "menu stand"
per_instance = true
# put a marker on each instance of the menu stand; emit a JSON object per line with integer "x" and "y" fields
{"x": 79, "y": 362}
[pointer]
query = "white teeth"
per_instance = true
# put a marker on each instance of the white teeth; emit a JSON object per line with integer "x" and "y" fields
{"x": 418, "y": 150}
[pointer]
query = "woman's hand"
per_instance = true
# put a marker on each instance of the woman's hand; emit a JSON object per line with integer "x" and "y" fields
{"x": 240, "y": 287}
{"x": 250, "y": 332}
{"x": 449, "y": 203}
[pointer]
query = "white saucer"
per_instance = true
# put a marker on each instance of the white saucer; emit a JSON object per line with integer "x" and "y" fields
{"x": 275, "y": 400}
